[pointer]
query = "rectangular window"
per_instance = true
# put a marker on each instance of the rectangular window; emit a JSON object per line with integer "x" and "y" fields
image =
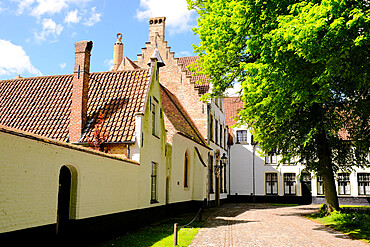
{"x": 153, "y": 106}
{"x": 271, "y": 183}
{"x": 363, "y": 183}
{"x": 153, "y": 197}
{"x": 225, "y": 137}
{"x": 320, "y": 186}
{"x": 289, "y": 184}
{"x": 211, "y": 128}
{"x": 216, "y": 131}
{"x": 210, "y": 174}
{"x": 344, "y": 185}
{"x": 271, "y": 157}
{"x": 221, "y": 138}
{"x": 186, "y": 170}
{"x": 241, "y": 135}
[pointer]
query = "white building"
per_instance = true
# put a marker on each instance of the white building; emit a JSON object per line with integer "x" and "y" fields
{"x": 254, "y": 177}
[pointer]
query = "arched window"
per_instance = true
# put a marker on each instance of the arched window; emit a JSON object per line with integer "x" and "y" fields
{"x": 186, "y": 170}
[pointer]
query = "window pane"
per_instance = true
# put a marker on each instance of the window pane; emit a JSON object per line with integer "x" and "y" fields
{"x": 273, "y": 158}
{"x": 293, "y": 188}
{"x": 367, "y": 188}
{"x": 268, "y": 188}
{"x": 274, "y": 188}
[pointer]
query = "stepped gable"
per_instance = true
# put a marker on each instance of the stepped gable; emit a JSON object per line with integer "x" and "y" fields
{"x": 41, "y": 105}
{"x": 178, "y": 117}
{"x": 184, "y": 62}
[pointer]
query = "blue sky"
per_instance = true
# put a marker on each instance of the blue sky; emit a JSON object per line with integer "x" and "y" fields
{"x": 37, "y": 36}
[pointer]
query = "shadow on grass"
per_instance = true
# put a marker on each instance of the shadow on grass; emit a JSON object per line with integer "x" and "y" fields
{"x": 355, "y": 225}
{"x": 160, "y": 232}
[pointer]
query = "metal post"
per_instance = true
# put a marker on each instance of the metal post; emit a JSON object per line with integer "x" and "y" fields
{"x": 175, "y": 234}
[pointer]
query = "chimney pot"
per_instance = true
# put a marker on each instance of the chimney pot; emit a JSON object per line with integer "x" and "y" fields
{"x": 117, "y": 53}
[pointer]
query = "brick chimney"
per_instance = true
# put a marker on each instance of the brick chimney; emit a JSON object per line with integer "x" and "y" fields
{"x": 80, "y": 90}
{"x": 117, "y": 53}
{"x": 156, "y": 28}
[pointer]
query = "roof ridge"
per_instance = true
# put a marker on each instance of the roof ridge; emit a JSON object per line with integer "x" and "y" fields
{"x": 35, "y": 77}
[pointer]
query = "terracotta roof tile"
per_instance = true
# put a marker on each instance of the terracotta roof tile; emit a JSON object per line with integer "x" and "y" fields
{"x": 232, "y": 106}
{"x": 178, "y": 117}
{"x": 186, "y": 61}
{"x": 41, "y": 105}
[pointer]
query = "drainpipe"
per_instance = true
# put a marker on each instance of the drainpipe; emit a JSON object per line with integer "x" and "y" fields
{"x": 253, "y": 172}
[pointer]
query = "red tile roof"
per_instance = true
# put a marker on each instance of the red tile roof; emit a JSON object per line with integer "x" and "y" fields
{"x": 186, "y": 61}
{"x": 41, "y": 105}
{"x": 178, "y": 117}
{"x": 232, "y": 106}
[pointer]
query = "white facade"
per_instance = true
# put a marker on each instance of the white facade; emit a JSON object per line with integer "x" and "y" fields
{"x": 250, "y": 178}
{"x": 217, "y": 140}
{"x": 251, "y": 174}
{"x": 354, "y": 183}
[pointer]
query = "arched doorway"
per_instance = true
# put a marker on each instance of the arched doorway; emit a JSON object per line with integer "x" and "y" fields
{"x": 64, "y": 200}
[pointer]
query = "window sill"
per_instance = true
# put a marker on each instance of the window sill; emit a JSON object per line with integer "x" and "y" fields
{"x": 153, "y": 201}
{"x": 156, "y": 136}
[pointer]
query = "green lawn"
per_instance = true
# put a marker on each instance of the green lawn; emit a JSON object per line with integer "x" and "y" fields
{"x": 355, "y": 224}
{"x": 158, "y": 235}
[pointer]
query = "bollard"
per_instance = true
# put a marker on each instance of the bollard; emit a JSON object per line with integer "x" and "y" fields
{"x": 175, "y": 234}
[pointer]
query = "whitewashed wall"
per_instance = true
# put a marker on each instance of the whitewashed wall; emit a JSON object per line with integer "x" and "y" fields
{"x": 29, "y": 181}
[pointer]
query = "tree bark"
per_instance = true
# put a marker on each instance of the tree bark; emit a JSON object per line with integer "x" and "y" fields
{"x": 326, "y": 168}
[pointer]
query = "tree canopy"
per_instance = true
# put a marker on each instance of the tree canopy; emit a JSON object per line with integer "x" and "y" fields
{"x": 304, "y": 71}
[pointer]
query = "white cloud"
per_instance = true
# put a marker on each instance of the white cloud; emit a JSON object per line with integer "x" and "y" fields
{"x": 62, "y": 65}
{"x": 72, "y": 17}
{"x": 24, "y": 4}
{"x": 94, "y": 18}
{"x": 178, "y": 17}
{"x": 235, "y": 91}
{"x": 49, "y": 27}
{"x": 38, "y": 8}
{"x": 14, "y": 60}
{"x": 48, "y": 7}
{"x": 184, "y": 54}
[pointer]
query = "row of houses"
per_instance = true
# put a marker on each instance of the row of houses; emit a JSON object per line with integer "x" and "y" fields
{"x": 160, "y": 149}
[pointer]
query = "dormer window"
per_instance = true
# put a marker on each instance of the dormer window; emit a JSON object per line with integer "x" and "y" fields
{"x": 241, "y": 136}
{"x": 271, "y": 157}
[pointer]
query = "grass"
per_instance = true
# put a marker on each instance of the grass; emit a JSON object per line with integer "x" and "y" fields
{"x": 158, "y": 235}
{"x": 354, "y": 224}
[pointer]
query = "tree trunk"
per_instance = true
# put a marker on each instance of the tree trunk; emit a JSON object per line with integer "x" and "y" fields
{"x": 326, "y": 168}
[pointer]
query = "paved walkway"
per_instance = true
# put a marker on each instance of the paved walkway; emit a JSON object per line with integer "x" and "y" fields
{"x": 248, "y": 224}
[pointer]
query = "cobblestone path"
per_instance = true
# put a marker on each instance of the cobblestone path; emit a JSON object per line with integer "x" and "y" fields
{"x": 247, "y": 224}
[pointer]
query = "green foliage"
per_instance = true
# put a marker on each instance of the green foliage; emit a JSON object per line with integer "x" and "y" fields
{"x": 355, "y": 224}
{"x": 304, "y": 71}
{"x": 158, "y": 234}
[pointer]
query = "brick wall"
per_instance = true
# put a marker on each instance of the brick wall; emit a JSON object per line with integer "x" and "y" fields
{"x": 80, "y": 90}
{"x": 172, "y": 76}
